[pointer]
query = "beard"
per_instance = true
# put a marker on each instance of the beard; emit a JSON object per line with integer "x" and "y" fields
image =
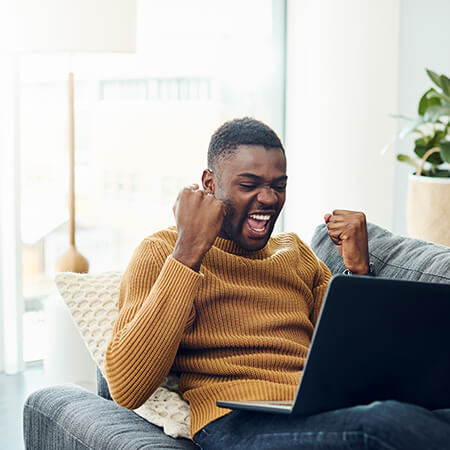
{"x": 227, "y": 231}
{"x": 232, "y": 230}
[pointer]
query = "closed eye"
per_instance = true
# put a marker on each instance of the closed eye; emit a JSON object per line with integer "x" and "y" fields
{"x": 249, "y": 187}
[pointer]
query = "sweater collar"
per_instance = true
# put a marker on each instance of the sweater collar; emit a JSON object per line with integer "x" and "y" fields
{"x": 229, "y": 246}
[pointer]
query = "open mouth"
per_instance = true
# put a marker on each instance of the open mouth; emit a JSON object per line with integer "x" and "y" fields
{"x": 258, "y": 224}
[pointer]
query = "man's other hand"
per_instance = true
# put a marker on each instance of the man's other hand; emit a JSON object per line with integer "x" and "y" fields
{"x": 199, "y": 218}
{"x": 348, "y": 230}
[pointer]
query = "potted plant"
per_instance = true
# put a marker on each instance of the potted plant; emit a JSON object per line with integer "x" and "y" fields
{"x": 429, "y": 186}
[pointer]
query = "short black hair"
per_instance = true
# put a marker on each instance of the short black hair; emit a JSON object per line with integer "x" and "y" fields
{"x": 245, "y": 131}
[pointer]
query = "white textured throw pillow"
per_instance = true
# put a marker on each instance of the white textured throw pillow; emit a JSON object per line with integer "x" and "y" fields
{"x": 92, "y": 302}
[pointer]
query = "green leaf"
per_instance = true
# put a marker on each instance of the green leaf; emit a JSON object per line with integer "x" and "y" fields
{"x": 443, "y": 82}
{"x": 408, "y": 160}
{"x": 424, "y": 141}
{"x": 422, "y": 146}
{"x": 420, "y": 151}
{"x": 435, "y": 140}
{"x": 445, "y": 85}
{"x": 434, "y": 159}
{"x": 434, "y": 77}
{"x": 445, "y": 151}
{"x": 434, "y": 112}
{"x": 429, "y": 99}
{"x": 444, "y": 97}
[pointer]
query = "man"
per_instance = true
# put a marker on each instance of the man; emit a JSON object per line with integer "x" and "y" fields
{"x": 233, "y": 309}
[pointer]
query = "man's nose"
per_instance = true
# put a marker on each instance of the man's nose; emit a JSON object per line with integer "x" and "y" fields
{"x": 267, "y": 196}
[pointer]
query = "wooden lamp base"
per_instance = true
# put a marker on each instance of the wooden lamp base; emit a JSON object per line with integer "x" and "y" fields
{"x": 72, "y": 261}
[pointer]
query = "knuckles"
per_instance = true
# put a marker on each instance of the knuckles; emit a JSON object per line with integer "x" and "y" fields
{"x": 198, "y": 199}
{"x": 349, "y": 216}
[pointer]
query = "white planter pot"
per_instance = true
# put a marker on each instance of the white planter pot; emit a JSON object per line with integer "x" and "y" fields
{"x": 429, "y": 209}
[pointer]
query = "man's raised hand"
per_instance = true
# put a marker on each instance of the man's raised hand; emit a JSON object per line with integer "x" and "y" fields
{"x": 348, "y": 230}
{"x": 199, "y": 217}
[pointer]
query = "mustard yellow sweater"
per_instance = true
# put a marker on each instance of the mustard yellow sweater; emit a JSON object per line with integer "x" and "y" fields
{"x": 239, "y": 329}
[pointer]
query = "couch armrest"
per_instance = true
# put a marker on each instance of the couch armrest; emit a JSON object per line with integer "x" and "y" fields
{"x": 68, "y": 417}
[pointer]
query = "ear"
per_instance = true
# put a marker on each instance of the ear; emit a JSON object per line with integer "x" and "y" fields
{"x": 208, "y": 181}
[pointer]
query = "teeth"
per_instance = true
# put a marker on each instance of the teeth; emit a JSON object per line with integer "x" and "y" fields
{"x": 257, "y": 229}
{"x": 259, "y": 217}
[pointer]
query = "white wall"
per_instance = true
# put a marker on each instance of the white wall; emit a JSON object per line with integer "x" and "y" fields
{"x": 342, "y": 86}
{"x": 424, "y": 43}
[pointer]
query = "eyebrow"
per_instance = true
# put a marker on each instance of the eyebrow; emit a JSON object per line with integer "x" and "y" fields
{"x": 258, "y": 178}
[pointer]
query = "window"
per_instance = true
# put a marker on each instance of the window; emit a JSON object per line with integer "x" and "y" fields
{"x": 143, "y": 124}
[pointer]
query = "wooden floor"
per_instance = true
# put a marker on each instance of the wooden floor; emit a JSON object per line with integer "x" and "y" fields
{"x": 13, "y": 391}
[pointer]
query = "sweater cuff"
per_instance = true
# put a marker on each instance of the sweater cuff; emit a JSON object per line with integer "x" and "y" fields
{"x": 178, "y": 278}
{"x": 179, "y": 266}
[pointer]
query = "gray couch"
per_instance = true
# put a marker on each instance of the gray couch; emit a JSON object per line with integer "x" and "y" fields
{"x": 62, "y": 417}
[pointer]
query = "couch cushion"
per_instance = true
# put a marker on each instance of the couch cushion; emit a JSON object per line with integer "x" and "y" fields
{"x": 392, "y": 256}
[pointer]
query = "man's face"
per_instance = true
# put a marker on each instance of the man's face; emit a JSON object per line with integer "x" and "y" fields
{"x": 252, "y": 184}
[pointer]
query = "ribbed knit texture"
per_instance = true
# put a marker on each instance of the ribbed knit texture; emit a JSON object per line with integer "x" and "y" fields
{"x": 238, "y": 330}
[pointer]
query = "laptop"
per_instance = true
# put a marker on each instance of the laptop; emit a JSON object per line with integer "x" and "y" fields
{"x": 376, "y": 339}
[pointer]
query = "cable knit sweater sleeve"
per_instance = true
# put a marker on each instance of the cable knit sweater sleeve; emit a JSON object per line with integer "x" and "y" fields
{"x": 155, "y": 306}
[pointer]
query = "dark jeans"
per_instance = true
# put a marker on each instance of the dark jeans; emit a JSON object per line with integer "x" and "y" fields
{"x": 380, "y": 425}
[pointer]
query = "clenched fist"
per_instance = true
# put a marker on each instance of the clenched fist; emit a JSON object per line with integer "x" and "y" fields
{"x": 199, "y": 217}
{"x": 348, "y": 230}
